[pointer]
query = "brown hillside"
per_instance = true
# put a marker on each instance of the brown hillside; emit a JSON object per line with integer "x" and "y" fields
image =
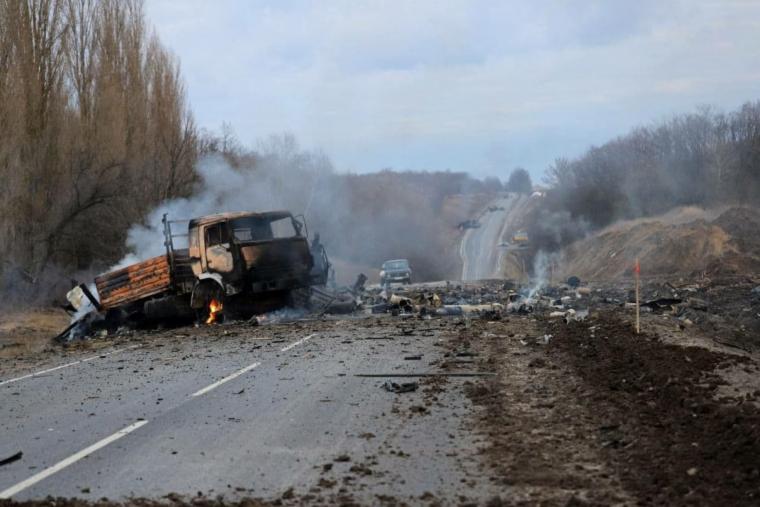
{"x": 667, "y": 245}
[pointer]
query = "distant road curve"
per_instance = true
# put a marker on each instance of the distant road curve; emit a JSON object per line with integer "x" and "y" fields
{"x": 479, "y": 249}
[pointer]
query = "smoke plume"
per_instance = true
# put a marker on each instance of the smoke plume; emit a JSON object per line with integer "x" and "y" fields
{"x": 362, "y": 220}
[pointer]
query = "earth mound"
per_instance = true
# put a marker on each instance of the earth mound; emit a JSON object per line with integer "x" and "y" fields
{"x": 725, "y": 243}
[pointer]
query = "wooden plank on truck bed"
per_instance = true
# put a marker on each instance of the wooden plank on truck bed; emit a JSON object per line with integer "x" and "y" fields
{"x": 115, "y": 302}
{"x": 153, "y": 261}
{"x": 135, "y": 282}
{"x": 121, "y": 276}
{"x": 134, "y": 278}
{"x": 131, "y": 294}
{"x": 139, "y": 287}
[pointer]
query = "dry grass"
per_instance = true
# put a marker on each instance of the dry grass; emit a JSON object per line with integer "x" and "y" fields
{"x": 29, "y": 332}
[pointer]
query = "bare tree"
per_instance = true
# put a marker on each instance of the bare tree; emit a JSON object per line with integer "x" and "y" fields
{"x": 87, "y": 119}
{"x": 519, "y": 181}
{"x": 702, "y": 158}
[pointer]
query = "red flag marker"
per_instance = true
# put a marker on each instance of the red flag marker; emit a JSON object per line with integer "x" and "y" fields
{"x": 637, "y": 273}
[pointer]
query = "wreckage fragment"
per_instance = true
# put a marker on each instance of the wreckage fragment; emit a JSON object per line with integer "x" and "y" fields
{"x": 11, "y": 459}
{"x": 404, "y": 387}
{"x": 427, "y": 374}
{"x": 661, "y": 303}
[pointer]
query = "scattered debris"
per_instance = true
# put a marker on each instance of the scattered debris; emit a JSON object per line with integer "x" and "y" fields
{"x": 358, "y": 287}
{"x": 405, "y": 387}
{"x": 11, "y": 459}
{"x": 661, "y": 303}
{"x": 436, "y": 374}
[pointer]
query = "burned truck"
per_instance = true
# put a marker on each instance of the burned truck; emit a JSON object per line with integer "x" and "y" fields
{"x": 235, "y": 264}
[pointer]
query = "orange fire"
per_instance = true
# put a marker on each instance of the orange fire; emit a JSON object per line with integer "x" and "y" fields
{"x": 214, "y": 308}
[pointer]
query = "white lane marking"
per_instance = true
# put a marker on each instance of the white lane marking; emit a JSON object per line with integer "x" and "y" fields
{"x": 299, "y": 342}
{"x": 226, "y": 379}
{"x": 248, "y": 368}
{"x": 31, "y": 481}
{"x": 38, "y": 373}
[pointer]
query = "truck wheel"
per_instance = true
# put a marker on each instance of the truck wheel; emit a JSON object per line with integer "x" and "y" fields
{"x": 300, "y": 298}
{"x": 205, "y": 293}
{"x": 115, "y": 318}
{"x": 214, "y": 311}
{"x": 171, "y": 308}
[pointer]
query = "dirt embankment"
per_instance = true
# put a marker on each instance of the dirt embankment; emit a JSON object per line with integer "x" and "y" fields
{"x": 685, "y": 241}
{"x": 596, "y": 415}
{"x": 661, "y": 424}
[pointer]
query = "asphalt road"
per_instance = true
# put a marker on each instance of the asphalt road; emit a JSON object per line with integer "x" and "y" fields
{"x": 479, "y": 249}
{"x": 236, "y": 411}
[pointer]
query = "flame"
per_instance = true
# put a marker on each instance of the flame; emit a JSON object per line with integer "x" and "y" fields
{"x": 214, "y": 307}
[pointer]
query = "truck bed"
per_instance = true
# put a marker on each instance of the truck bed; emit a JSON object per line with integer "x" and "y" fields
{"x": 135, "y": 282}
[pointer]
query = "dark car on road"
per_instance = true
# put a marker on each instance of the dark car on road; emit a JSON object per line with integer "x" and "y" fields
{"x": 396, "y": 271}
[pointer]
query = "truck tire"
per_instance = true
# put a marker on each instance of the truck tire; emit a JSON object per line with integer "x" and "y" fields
{"x": 171, "y": 308}
{"x": 114, "y": 319}
{"x": 204, "y": 292}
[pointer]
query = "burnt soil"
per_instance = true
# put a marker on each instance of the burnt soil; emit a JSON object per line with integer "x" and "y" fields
{"x": 671, "y": 441}
{"x": 653, "y": 412}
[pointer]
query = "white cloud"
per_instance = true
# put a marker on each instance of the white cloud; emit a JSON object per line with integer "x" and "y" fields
{"x": 469, "y": 86}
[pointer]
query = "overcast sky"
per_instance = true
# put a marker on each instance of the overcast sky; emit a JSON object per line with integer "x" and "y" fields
{"x": 472, "y": 86}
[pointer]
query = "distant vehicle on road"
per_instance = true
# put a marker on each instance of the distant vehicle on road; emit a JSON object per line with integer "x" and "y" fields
{"x": 520, "y": 238}
{"x": 518, "y": 241}
{"x": 397, "y": 270}
{"x": 468, "y": 224}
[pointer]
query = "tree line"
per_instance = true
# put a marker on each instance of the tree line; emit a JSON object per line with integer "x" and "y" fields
{"x": 705, "y": 158}
{"x": 94, "y": 131}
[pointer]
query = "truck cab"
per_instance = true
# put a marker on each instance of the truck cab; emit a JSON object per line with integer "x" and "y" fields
{"x": 245, "y": 259}
{"x": 252, "y": 252}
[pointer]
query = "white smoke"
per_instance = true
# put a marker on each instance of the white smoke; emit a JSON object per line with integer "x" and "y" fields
{"x": 222, "y": 188}
{"x": 361, "y": 220}
{"x": 543, "y": 264}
